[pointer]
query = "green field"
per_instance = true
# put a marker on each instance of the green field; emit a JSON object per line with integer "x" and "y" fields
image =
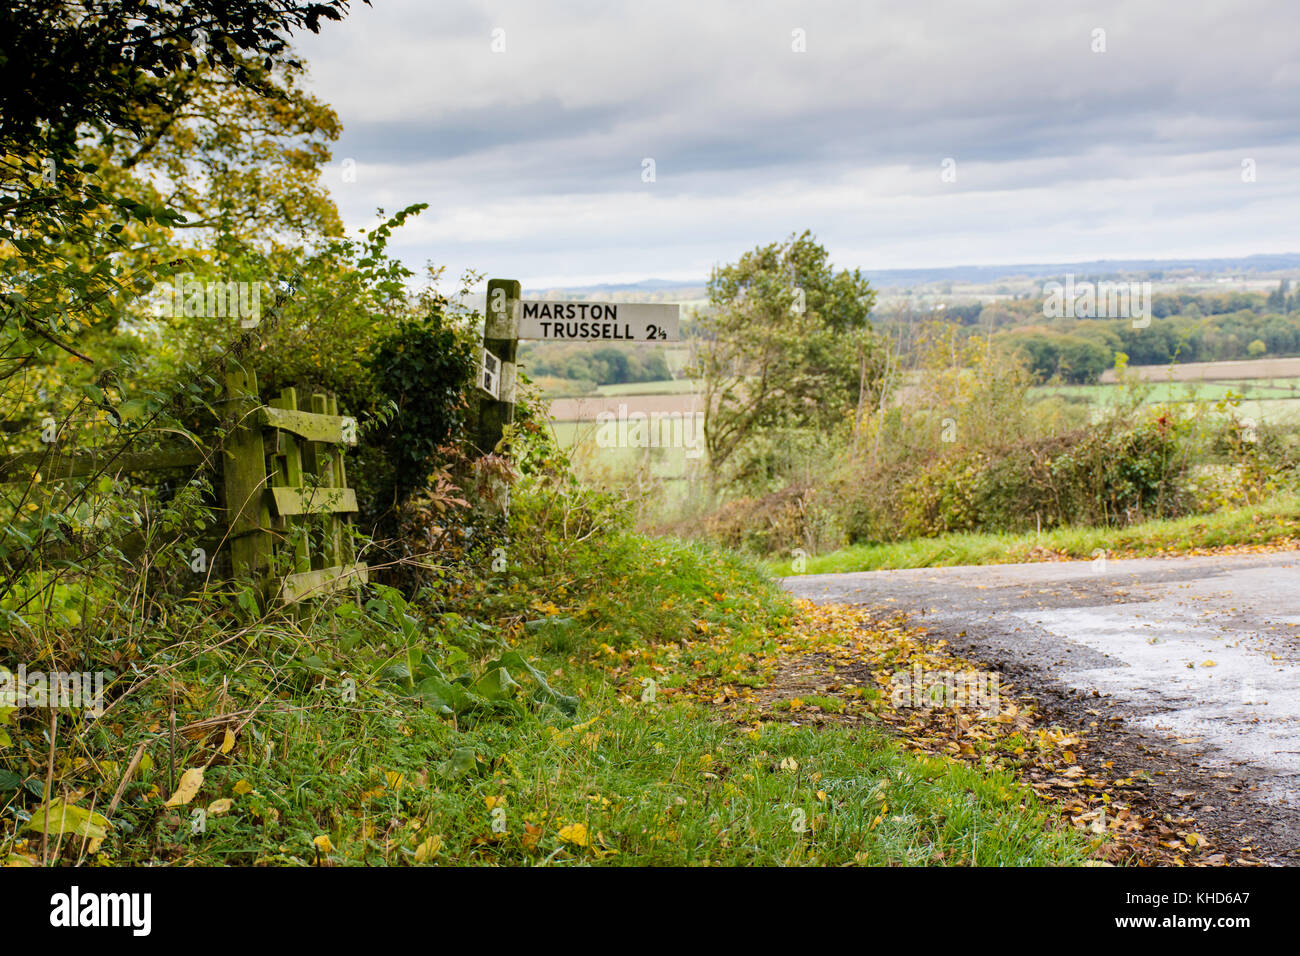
{"x": 673, "y": 386}
{"x": 1275, "y": 401}
{"x": 1257, "y": 389}
{"x": 1265, "y": 400}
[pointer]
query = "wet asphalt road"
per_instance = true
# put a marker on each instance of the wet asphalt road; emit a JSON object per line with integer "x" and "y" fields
{"x": 1199, "y": 654}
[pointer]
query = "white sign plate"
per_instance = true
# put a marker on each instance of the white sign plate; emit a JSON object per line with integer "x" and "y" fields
{"x": 600, "y": 321}
{"x": 491, "y": 374}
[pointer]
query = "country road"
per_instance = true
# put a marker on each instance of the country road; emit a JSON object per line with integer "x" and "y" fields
{"x": 1192, "y": 665}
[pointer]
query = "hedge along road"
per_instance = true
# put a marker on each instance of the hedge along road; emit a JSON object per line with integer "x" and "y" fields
{"x": 1188, "y": 667}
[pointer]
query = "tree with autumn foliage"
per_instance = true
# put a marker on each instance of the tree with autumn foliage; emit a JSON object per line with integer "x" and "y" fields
{"x": 787, "y": 355}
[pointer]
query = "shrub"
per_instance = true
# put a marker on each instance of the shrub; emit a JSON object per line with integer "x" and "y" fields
{"x": 1117, "y": 473}
{"x": 776, "y": 523}
{"x": 422, "y": 370}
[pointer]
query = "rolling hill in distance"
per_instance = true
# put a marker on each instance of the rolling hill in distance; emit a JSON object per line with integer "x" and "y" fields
{"x": 1259, "y": 268}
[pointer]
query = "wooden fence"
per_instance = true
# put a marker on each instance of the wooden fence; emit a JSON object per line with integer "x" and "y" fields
{"x": 283, "y": 487}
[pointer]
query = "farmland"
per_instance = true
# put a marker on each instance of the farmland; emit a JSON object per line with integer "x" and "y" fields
{"x": 1266, "y": 390}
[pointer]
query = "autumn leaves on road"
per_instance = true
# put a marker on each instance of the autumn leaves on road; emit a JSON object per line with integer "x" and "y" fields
{"x": 841, "y": 666}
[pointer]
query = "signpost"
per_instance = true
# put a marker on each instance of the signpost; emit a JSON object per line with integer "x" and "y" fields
{"x": 509, "y": 319}
{"x": 497, "y": 375}
{"x": 600, "y": 322}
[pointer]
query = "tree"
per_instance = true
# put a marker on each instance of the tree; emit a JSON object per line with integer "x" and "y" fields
{"x": 108, "y": 72}
{"x": 1277, "y": 298}
{"x": 786, "y": 345}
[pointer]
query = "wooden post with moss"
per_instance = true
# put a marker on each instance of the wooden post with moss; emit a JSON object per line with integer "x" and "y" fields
{"x": 501, "y": 343}
{"x": 244, "y": 478}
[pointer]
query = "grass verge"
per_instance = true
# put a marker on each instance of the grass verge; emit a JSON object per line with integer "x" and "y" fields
{"x": 1272, "y": 525}
{"x": 283, "y": 769}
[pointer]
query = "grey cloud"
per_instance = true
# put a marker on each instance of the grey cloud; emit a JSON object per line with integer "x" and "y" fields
{"x": 714, "y": 95}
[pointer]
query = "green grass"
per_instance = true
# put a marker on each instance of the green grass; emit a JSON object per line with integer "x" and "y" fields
{"x": 654, "y": 784}
{"x": 316, "y": 777}
{"x": 1272, "y": 521}
{"x": 1212, "y": 391}
{"x": 1276, "y": 401}
{"x": 672, "y": 386}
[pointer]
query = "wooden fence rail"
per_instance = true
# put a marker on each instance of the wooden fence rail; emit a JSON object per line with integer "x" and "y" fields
{"x": 284, "y": 486}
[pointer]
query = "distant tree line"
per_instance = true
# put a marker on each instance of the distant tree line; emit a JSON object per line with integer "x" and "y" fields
{"x": 608, "y": 365}
{"x": 1185, "y": 327}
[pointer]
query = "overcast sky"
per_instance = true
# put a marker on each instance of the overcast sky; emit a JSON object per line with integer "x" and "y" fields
{"x": 532, "y": 158}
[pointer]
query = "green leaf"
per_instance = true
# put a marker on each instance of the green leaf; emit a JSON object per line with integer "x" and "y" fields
{"x": 131, "y": 409}
{"x": 545, "y": 693}
{"x": 496, "y": 684}
{"x": 463, "y": 761}
{"x": 441, "y": 696}
{"x": 68, "y": 819}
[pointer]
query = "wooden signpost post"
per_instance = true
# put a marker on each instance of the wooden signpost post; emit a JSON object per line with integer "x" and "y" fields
{"x": 497, "y": 374}
{"x": 509, "y": 318}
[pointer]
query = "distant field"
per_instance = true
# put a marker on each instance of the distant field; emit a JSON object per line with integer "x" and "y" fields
{"x": 1276, "y": 400}
{"x": 674, "y": 386}
{"x": 663, "y": 462}
{"x": 1213, "y": 371}
{"x": 1269, "y": 391}
{"x": 586, "y": 409}
{"x": 1279, "y": 388}
{"x": 573, "y": 422}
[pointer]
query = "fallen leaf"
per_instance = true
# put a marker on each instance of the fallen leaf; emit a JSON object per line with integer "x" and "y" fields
{"x": 191, "y": 781}
{"x": 428, "y": 848}
{"x": 575, "y": 833}
{"x": 64, "y": 818}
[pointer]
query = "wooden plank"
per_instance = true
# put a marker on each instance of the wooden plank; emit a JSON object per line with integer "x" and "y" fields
{"x": 347, "y": 553}
{"x": 326, "y": 455}
{"x": 245, "y": 478}
{"x": 291, "y": 456}
{"x": 313, "y": 426}
{"x": 322, "y": 581}
{"x": 74, "y": 464}
{"x": 313, "y": 501}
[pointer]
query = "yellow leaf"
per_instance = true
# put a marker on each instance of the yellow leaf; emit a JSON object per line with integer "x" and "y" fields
{"x": 228, "y": 743}
{"x": 394, "y": 778}
{"x": 428, "y": 848}
{"x": 493, "y": 802}
{"x": 575, "y": 833}
{"x": 243, "y": 787}
{"x": 64, "y": 818}
{"x": 191, "y": 780}
{"x": 323, "y": 843}
{"x": 218, "y": 807}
